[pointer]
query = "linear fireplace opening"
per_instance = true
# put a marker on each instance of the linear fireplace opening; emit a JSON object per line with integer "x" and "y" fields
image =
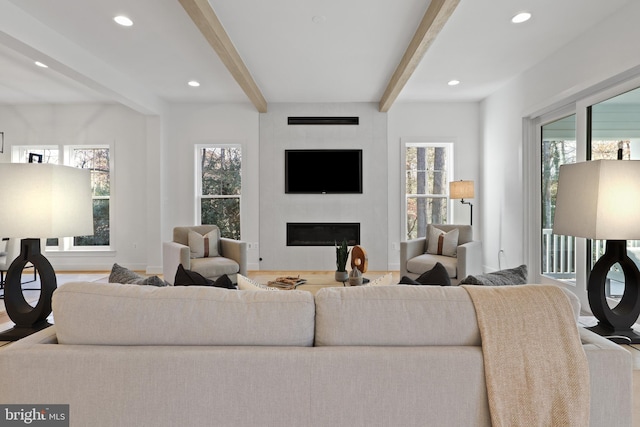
{"x": 322, "y": 233}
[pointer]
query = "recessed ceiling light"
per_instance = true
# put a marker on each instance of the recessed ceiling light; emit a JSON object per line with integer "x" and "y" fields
{"x": 194, "y": 83}
{"x": 521, "y": 17}
{"x": 41, "y": 65}
{"x": 453, "y": 82}
{"x": 123, "y": 20}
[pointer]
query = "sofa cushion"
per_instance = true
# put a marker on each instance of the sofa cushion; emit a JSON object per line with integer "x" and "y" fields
{"x": 395, "y": 316}
{"x": 440, "y": 242}
{"x": 204, "y": 246}
{"x": 191, "y": 315}
{"x": 425, "y": 262}
{"x": 215, "y": 266}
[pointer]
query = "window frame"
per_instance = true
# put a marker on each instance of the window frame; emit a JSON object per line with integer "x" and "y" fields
{"x": 424, "y": 142}
{"x": 199, "y": 197}
{"x": 66, "y": 244}
{"x": 532, "y": 125}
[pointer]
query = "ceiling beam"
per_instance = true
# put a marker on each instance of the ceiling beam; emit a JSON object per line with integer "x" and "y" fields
{"x": 433, "y": 21}
{"x": 204, "y": 17}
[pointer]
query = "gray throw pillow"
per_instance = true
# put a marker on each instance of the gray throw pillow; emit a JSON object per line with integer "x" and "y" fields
{"x": 511, "y": 276}
{"x": 123, "y": 275}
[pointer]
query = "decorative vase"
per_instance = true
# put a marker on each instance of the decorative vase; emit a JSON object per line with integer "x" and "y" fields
{"x": 355, "y": 277}
{"x": 341, "y": 276}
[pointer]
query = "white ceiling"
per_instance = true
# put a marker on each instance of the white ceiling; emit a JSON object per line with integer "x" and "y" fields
{"x": 347, "y": 57}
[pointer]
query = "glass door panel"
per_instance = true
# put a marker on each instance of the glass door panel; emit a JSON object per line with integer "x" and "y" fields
{"x": 558, "y": 147}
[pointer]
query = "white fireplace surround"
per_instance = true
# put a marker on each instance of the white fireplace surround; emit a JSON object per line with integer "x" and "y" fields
{"x": 369, "y": 209}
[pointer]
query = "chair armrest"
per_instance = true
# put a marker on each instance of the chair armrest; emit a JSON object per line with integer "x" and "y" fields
{"x": 174, "y": 254}
{"x": 411, "y": 249}
{"x": 235, "y": 250}
{"x": 469, "y": 259}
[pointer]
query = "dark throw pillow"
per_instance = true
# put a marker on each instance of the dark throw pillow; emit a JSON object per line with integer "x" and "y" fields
{"x": 508, "y": 277}
{"x": 186, "y": 277}
{"x": 437, "y": 276}
{"x": 408, "y": 281}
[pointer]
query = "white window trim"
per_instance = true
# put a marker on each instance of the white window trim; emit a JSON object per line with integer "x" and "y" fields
{"x": 532, "y": 124}
{"x": 198, "y": 197}
{"x": 425, "y": 142}
{"x": 64, "y": 158}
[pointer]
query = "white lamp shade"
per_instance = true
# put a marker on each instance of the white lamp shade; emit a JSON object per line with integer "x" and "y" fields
{"x": 44, "y": 201}
{"x": 461, "y": 190}
{"x": 599, "y": 199}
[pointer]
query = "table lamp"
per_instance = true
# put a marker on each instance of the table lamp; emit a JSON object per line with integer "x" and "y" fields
{"x": 462, "y": 190}
{"x": 600, "y": 200}
{"x": 43, "y": 201}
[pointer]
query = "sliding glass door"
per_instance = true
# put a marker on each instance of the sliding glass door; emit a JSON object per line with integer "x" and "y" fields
{"x": 558, "y": 146}
{"x": 614, "y": 124}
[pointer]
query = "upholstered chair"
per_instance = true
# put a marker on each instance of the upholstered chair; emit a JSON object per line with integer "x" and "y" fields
{"x": 457, "y": 252}
{"x": 9, "y": 250}
{"x": 201, "y": 249}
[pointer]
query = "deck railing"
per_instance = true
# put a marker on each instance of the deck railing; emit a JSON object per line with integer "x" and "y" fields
{"x": 558, "y": 253}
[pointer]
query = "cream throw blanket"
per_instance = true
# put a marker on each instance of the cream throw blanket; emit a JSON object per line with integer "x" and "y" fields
{"x": 535, "y": 367}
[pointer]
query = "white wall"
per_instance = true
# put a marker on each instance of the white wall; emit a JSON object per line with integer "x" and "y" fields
{"x": 277, "y": 208}
{"x": 189, "y": 124}
{"x": 592, "y": 61}
{"x": 434, "y": 122}
{"x": 126, "y": 132}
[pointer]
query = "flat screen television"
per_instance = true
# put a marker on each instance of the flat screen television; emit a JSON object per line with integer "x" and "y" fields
{"x": 323, "y": 171}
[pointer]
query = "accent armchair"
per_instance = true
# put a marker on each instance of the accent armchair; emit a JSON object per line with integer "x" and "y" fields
{"x": 464, "y": 258}
{"x": 201, "y": 249}
{"x": 9, "y": 250}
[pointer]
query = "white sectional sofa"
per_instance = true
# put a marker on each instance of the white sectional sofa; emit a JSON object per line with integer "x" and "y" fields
{"x": 129, "y": 355}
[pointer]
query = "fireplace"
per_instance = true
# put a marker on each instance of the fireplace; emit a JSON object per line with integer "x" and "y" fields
{"x": 322, "y": 233}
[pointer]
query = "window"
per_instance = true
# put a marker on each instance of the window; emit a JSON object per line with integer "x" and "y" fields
{"x": 428, "y": 170}
{"x": 613, "y": 125}
{"x": 558, "y": 147}
{"x": 97, "y": 161}
{"x": 220, "y": 187}
{"x": 95, "y": 158}
{"x": 600, "y": 125}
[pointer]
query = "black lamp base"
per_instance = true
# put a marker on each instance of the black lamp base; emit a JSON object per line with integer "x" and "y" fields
{"x": 625, "y": 336}
{"x": 19, "y": 332}
{"x": 28, "y": 319}
{"x": 615, "y": 322}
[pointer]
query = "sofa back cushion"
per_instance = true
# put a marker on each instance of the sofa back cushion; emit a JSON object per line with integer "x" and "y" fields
{"x": 115, "y": 314}
{"x": 399, "y": 315}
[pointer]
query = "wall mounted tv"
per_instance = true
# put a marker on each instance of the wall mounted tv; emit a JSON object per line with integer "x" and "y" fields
{"x": 323, "y": 171}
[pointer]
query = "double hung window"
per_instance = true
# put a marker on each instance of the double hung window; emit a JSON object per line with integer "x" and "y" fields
{"x": 428, "y": 171}
{"x": 219, "y": 182}
{"x": 97, "y": 159}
